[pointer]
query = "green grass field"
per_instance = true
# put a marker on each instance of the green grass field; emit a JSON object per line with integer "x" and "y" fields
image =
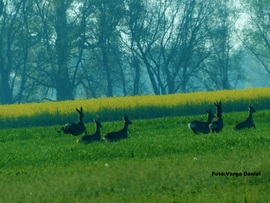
{"x": 162, "y": 161}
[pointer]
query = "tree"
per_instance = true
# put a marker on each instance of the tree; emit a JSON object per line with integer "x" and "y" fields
{"x": 192, "y": 50}
{"x": 223, "y": 67}
{"x": 1, "y": 6}
{"x": 53, "y": 53}
{"x": 168, "y": 36}
{"x": 109, "y": 15}
{"x": 64, "y": 87}
{"x": 65, "y": 49}
{"x": 256, "y": 35}
{"x": 135, "y": 11}
{"x": 12, "y": 41}
{"x": 86, "y": 70}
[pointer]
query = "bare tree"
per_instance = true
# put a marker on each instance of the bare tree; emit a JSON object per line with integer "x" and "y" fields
{"x": 10, "y": 49}
{"x": 223, "y": 67}
{"x": 85, "y": 48}
{"x": 192, "y": 40}
{"x": 52, "y": 56}
{"x": 109, "y": 14}
{"x": 64, "y": 87}
{"x": 169, "y": 37}
{"x": 256, "y": 36}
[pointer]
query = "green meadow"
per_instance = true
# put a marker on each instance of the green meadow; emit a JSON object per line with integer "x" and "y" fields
{"x": 161, "y": 161}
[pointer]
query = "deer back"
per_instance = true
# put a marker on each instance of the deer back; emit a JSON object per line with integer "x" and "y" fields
{"x": 77, "y": 128}
{"x": 248, "y": 123}
{"x": 200, "y": 126}
{"x": 121, "y": 134}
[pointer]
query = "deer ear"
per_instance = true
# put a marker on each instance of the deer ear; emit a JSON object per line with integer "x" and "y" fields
{"x": 79, "y": 111}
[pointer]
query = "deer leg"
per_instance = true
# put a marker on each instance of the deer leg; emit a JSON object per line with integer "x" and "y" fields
{"x": 195, "y": 131}
{"x": 61, "y": 129}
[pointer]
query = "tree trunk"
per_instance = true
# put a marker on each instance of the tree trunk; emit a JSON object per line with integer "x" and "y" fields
{"x": 63, "y": 86}
{"x": 108, "y": 72}
{"x": 5, "y": 90}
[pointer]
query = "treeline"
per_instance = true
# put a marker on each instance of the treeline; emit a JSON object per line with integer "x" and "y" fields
{"x": 66, "y": 49}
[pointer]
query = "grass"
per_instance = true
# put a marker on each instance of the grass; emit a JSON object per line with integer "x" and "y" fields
{"x": 162, "y": 161}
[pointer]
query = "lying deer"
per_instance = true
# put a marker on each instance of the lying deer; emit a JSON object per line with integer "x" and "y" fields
{"x": 248, "y": 123}
{"x": 200, "y": 126}
{"x": 75, "y": 128}
{"x": 94, "y": 137}
{"x": 217, "y": 124}
{"x": 121, "y": 134}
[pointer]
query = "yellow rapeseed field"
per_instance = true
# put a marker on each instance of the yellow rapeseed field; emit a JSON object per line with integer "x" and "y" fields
{"x": 116, "y": 103}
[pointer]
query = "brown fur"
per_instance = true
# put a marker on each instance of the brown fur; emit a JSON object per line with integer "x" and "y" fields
{"x": 248, "y": 123}
{"x": 94, "y": 137}
{"x": 200, "y": 126}
{"x": 75, "y": 128}
{"x": 121, "y": 134}
{"x": 217, "y": 124}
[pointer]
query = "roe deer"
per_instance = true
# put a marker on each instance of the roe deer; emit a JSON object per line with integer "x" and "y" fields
{"x": 75, "y": 128}
{"x": 94, "y": 137}
{"x": 248, "y": 123}
{"x": 123, "y": 133}
{"x": 200, "y": 126}
{"x": 217, "y": 124}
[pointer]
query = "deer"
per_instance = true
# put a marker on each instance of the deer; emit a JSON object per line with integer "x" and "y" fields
{"x": 75, "y": 128}
{"x": 200, "y": 126}
{"x": 94, "y": 137}
{"x": 121, "y": 134}
{"x": 217, "y": 124}
{"x": 248, "y": 123}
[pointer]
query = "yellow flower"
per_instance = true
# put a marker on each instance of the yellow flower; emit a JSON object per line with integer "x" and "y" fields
{"x": 132, "y": 102}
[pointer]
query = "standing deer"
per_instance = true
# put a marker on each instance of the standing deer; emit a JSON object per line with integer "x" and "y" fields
{"x": 248, "y": 123}
{"x": 217, "y": 124}
{"x": 121, "y": 134}
{"x": 75, "y": 128}
{"x": 200, "y": 126}
{"x": 94, "y": 137}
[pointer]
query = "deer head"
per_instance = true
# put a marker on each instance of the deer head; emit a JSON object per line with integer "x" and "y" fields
{"x": 219, "y": 109}
{"x": 81, "y": 115}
